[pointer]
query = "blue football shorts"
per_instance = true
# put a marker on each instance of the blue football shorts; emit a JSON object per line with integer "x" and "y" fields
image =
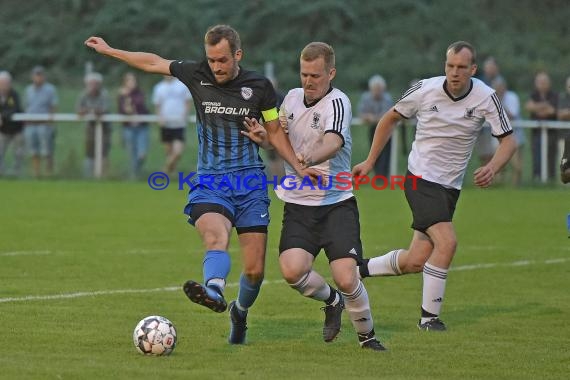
{"x": 241, "y": 196}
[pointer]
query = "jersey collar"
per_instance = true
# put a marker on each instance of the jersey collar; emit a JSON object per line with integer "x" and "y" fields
{"x": 307, "y": 105}
{"x": 462, "y": 96}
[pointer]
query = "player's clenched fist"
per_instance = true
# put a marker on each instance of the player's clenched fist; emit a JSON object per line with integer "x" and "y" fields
{"x": 97, "y": 43}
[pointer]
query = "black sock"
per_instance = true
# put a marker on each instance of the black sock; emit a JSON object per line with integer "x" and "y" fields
{"x": 332, "y": 297}
{"x": 427, "y": 314}
{"x": 367, "y": 336}
{"x": 566, "y": 148}
{"x": 363, "y": 268}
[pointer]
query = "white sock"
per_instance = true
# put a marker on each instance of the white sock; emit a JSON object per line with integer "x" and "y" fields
{"x": 358, "y": 308}
{"x": 386, "y": 265}
{"x": 240, "y": 308}
{"x": 219, "y": 282}
{"x": 313, "y": 285}
{"x": 433, "y": 291}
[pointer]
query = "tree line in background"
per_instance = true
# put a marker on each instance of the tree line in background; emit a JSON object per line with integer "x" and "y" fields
{"x": 400, "y": 39}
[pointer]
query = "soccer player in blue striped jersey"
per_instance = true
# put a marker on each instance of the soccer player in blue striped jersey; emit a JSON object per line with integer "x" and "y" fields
{"x": 224, "y": 95}
{"x": 451, "y": 110}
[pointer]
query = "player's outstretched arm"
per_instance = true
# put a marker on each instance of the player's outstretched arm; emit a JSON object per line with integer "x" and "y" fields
{"x": 483, "y": 177}
{"x": 148, "y": 62}
{"x": 381, "y": 135}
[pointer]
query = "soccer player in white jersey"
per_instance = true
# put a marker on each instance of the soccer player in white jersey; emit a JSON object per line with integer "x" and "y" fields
{"x": 318, "y": 118}
{"x": 450, "y": 110}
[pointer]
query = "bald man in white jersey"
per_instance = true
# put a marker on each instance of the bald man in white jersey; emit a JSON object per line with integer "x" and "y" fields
{"x": 450, "y": 110}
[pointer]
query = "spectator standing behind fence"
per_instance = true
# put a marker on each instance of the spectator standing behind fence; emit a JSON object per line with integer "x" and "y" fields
{"x": 95, "y": 101}
{"x": 40, "y": 98}
{"x": 542, "y": 106}
{"x": 131, "y": 101}
{"x": 10, "y": 131}
{"x": 491, "y": 70}
{"x": 486, "y": 144}
{"x": 172, "y": 102}
{"x": 373, "y": 105}
{"x": 564, "y": 115}
{"x": 512, "y": 107}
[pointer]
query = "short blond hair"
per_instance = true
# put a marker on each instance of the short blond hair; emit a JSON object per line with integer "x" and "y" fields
{"x": 315, "y": 50}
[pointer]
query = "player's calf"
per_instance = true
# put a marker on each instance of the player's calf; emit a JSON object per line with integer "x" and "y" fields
{"x": 358, "y": 308}
{"x": 435, "y": 279}
{"x": 385, "y": 265}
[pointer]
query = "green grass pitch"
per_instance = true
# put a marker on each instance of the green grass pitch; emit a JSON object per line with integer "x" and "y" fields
{"x": 82, "y": 262}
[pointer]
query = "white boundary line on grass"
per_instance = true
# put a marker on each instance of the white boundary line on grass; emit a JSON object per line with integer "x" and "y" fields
{"x": 235, "y": 284}
{"x": 110, "y": 292}
{"x": 25, "y": 253}
{"x": 511, "y": 264}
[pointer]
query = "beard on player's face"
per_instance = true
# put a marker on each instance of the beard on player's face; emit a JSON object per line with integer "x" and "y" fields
{"x": 226, "y": 72}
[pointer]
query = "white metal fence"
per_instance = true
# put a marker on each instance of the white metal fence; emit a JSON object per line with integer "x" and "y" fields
{"x": 544, "y": 126}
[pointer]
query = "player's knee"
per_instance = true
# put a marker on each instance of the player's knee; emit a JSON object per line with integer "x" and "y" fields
{"x": 453, "y": 246}
{"x": 447, "y": 246}
{"x": 346, "y": 284}
{"x": 254, "y": 275}
{"x": 214, "y": 241}
{"x": 291, "y": 275}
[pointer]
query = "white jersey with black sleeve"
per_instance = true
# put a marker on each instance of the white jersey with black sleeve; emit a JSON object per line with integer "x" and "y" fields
{"x": 307, "y": 126}
{"x": 448, "y": 127}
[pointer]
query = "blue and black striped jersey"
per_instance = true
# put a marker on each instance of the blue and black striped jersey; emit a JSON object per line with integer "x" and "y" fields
{"x": 220, "y": 112}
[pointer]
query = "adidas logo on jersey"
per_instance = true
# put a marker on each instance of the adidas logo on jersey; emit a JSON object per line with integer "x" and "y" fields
{"x": 290, "y": 117}
{"x": 434, "y": 108}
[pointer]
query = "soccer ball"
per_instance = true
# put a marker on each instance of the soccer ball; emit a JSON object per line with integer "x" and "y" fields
{"x": 155, "y": 335}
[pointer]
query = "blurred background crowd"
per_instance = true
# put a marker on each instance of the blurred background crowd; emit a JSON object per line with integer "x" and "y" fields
{"x": 382, "y": 49}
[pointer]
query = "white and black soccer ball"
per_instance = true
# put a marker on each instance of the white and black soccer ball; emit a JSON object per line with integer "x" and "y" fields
{"x": 155, "y": 335}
